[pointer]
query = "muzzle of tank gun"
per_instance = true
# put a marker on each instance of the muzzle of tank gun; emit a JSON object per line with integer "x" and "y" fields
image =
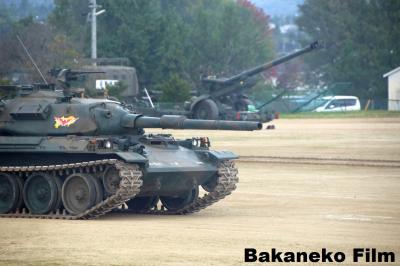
{"x": 181, "y": 122}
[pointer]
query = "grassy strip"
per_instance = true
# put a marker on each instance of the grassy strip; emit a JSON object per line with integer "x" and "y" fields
{"x": 355, "y": 114}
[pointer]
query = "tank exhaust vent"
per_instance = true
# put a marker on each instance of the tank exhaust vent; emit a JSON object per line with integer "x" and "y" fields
{"x": 35, "y": 111}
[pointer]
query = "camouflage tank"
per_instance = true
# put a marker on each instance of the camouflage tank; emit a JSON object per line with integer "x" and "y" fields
{"x": 69, "y": 157}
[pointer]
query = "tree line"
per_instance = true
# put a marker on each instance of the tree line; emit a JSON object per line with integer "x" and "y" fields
{"x": 172, "y": 41}
{"x": 177, "y": 41}
{"x": 361, "y": 39}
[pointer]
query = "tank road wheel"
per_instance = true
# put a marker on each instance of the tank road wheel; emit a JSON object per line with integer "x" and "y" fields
{"x": 111, "y": 180}
{"x": 58, "y": 204}
{"x": 206, "y": 109}
{"x": 41, "y": 193}
{"x": 142, "y": 203}
{"x": 176, "y": 203}
{"x": 78, "y": 193}
{"x": 99, "y": 190}
{"x": 20, "y": 181}
{"x": 10, "y": 193}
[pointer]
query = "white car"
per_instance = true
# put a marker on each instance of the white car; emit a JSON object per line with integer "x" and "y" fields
{"x": 338, "y": 104}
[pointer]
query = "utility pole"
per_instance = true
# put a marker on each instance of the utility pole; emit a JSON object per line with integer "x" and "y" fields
{"x": 93, "y": 14}
{"x": 93, "y": 7}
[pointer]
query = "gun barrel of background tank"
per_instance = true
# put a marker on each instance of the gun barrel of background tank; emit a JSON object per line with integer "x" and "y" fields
{"x": 263, "y": 67}
{"x": 181, "y": 122}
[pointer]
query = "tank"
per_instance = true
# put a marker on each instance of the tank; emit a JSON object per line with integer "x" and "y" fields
{"x": 68, "y": 157}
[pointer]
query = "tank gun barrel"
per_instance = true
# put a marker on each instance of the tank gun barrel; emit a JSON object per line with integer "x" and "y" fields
{"x": 258, "y": 69}
{"x": 181, "y": 122}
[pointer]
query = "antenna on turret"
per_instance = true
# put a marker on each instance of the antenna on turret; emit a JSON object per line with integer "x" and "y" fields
{"x": 33, "y": 61}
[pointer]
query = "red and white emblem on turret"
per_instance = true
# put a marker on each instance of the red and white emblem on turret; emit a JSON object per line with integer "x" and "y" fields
{"x": 64, "y": 121}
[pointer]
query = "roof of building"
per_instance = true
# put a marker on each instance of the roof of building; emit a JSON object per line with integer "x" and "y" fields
{"x": 391, "y": 72}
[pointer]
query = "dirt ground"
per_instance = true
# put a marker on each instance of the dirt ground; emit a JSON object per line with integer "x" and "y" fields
{"x": 366, "y": 138}
{"x": 291, "y": 207}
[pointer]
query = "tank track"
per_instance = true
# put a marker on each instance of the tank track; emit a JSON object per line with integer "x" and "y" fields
{"x": 129, "y": 187}
{"x": 227, "y": 180}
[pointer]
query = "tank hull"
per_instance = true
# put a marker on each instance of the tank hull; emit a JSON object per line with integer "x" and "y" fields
{"x": 168, "y": 170}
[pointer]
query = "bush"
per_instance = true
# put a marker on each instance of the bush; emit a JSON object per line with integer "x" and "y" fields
{"x": 116, "y": 90}
{"x": 175, "y": 89}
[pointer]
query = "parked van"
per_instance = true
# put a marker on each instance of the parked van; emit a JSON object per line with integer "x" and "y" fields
{"x": 338, "y": 104}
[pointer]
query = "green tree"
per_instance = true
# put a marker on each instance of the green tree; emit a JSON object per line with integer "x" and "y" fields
{"x": 131, "y": 29}
{"x": 226, "y": 38}
{"x": 6, "y": 19}
{"x": 171, "y": 51}
{"x": 361, "y": 40}
{"x": 175, "y": 89}
{"x": 70, "y": 17}
{"x": 47, "y": 47}
{"x": 116, "y": 90}
{"x": 167, "y": 37}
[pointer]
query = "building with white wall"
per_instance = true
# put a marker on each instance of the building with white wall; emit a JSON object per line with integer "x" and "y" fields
{"x": 393, "y": 89}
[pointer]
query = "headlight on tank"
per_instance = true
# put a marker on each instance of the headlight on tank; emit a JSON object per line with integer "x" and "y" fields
{"x": 108, "y": 144}
{"x": 100, "y": 144}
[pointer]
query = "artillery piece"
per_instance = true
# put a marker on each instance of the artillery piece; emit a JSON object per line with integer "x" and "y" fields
{"x": 225, "y": 98}
{"x": 66, "y": 157}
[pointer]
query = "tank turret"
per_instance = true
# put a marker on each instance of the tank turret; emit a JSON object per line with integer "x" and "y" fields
{"x": 66, "y": 157}
{"x": 54, "y": 115}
